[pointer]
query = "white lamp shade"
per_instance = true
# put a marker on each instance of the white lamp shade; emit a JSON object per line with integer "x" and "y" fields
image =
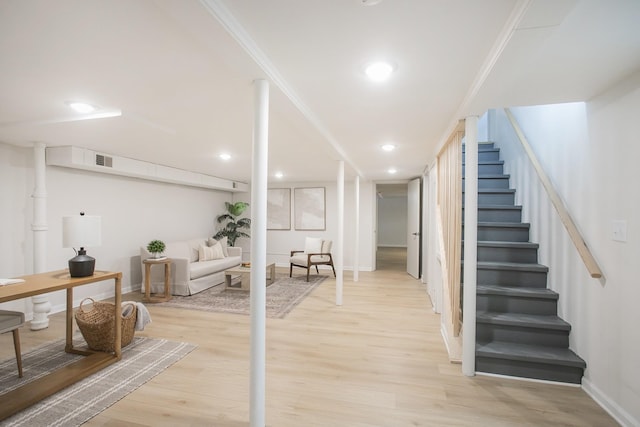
{"x": 81, "y": 231}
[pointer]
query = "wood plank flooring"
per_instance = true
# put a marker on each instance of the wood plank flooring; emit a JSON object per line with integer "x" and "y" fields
{"x": 378, "y": 360}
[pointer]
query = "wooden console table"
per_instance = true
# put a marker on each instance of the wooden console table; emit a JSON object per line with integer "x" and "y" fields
{"x": 36, "y": 390}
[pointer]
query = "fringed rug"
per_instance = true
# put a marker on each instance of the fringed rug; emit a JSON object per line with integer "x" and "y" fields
{"x": 281, "y": 297}
{"x": 142, "y": 360}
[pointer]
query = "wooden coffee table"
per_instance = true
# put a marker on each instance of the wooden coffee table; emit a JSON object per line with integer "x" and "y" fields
{"x": 244, "y": 274}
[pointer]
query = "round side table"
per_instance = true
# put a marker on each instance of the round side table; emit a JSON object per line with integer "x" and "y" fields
{"x": 147, "y": 279}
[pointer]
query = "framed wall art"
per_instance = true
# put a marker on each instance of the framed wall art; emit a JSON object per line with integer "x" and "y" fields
{"x": 309, "y": 208}
{"x": 279, "y": 209}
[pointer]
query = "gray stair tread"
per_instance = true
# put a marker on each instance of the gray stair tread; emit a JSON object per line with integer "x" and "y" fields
{"x": 510, "y": 245}
{"x": 493, "y": 176}
{"x": 513, "y": 266}
{"x": 500, "y": 207}
{"x": 487, "y": 147}
{"x": 524, "y": 320}
{"x": 495, "y": 190}
{"x": 530, "y": 353}
{"x": 524, "y": 292}
{"x": 504, "y": 224}
{"x": 489, "y": 162}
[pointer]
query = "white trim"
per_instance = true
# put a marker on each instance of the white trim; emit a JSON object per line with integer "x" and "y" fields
{"x": 530, "y": 380}
{"x": 443, "y": 333}
{"x": 616, "y": 411}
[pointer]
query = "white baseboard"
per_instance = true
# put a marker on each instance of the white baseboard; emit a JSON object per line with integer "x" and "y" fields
{"x": 619, "y": 414}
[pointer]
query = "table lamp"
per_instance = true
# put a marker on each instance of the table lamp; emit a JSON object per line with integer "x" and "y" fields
{"x": 81, "y": 231}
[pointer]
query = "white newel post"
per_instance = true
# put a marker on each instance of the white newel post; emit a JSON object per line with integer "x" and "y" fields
{"x": 259, "y": 252}
{"x": 41, "y": 304}
{"x": 470, "y": 247}
{"x": 340, "y": 241}
{"x": 356, "y": 240}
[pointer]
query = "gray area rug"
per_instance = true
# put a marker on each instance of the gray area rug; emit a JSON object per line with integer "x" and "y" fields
{"x": 142, "y": 360}
{"x": 281, "y": 297}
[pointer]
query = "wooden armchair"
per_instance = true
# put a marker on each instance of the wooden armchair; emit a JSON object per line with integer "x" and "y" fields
{"x": 317, "y": 252}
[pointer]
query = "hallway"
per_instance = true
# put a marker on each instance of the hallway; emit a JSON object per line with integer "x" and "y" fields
{"x": 391, "y": 258}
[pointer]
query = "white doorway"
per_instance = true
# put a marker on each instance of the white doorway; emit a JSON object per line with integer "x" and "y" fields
{"x": 392, "y": 234}
{"x": 413, "y": 228}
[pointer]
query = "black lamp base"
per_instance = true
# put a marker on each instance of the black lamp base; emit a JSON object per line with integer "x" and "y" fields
{"x": 81, "y": 265}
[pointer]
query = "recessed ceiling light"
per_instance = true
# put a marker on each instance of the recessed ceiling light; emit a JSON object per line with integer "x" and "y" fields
{"x": 388, "y": 147}
{"x": 369, "y": 2}
{"x": 392, "y": 171}
{"x": 81, "y": 107}
{"x": 379, "y": 71}
{"x": 279, "y": 174}
{"x": 225, "y": 156}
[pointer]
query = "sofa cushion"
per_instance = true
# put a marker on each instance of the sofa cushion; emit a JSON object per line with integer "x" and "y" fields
{"x": 204, "y": 268}
{"x": 194, "y": 247}
{"x": 208, "y": 253}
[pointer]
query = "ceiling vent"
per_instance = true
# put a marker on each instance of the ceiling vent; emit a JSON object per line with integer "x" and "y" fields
{"x": 102, "y": 160}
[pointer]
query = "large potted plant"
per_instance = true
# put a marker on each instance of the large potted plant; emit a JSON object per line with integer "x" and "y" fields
{"x": 233, "y": 229}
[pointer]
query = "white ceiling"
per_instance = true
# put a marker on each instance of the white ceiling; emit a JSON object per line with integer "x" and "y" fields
{"x": 181, "y": 73}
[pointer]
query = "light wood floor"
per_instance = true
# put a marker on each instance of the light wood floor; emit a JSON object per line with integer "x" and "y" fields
{"x": 378, "y": 360}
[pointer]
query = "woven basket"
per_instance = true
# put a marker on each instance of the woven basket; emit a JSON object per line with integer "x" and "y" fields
{"x": 97, "y": 325}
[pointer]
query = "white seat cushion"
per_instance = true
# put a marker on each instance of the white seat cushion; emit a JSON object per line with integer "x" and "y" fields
{"x": 201, "y": 269}
{"x": 301, "y": 259}
{"x": 10, "y": 320}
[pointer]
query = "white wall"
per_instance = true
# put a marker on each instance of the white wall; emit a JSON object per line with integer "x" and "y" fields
{"x": 281, "y": 242}
{"x": 590, "y": 153}
{"x": 392, "y": 221}
{"x": 133, "y": 213}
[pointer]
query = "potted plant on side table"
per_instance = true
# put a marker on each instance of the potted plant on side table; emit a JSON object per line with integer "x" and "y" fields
{"x": 156, "y": 247}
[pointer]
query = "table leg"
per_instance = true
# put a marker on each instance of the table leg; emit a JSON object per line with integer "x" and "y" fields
{"x": 118, "y": 314}
{"x": 147, "y": 282}
{"x": 167, "y": 276}
{"x": 272, "y": 274}
{"x": 245, "y": 283}
{"x": 69, "y": 327}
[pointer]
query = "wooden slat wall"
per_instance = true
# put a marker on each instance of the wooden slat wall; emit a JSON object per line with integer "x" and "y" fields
{"x": 450, "y": 206}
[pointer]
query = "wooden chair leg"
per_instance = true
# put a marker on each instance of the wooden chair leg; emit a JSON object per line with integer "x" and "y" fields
{"x": 290, "y": 270}
{"x": 16, "y": 344}
{"x": 317, "y": 271}
{"x": 308, "y": 270}
{"x": 334, "y": 270}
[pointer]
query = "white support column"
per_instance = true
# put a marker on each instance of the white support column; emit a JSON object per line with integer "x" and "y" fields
{"x": 470, "y": 247}
{"x": 356, "y": 240}
{"x": 259, "y": 252}
{"x": 339, "y": 261}
{"x": 41, "y": 304}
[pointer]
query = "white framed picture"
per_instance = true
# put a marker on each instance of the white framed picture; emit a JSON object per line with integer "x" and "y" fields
{"x": 279, "y": 209}
{"x": 309, "y": 208}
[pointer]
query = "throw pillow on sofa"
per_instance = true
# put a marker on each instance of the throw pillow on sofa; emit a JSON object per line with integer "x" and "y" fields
{"x": 208, "y": 253}
{"x": 223, "y": 242}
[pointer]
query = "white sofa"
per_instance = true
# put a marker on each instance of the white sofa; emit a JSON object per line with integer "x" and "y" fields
{"x": 189, "y": 275}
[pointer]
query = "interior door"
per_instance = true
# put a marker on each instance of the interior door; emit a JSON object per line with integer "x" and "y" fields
{"x": 413, "y": 228}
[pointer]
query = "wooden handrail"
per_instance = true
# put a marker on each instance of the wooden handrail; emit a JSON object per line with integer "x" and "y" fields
{"x": 586, "y": 255}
